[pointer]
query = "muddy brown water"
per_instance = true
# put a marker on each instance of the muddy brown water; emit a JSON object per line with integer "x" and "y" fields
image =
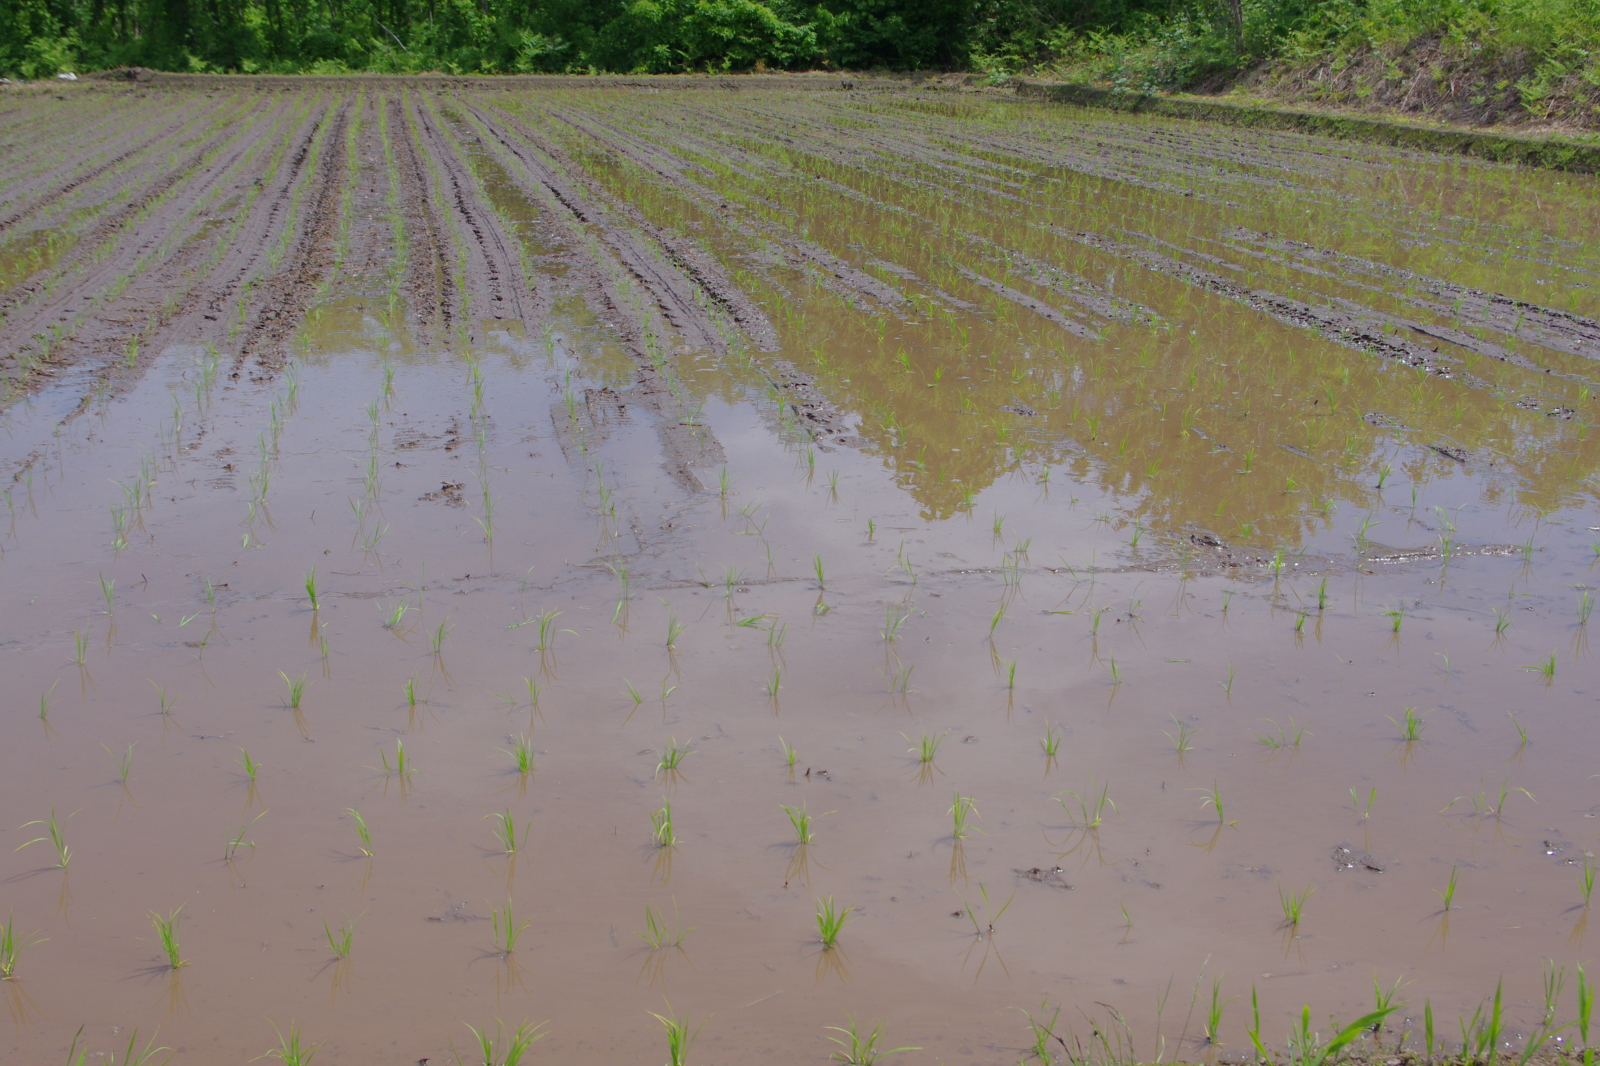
{"x": 616, "y": 420}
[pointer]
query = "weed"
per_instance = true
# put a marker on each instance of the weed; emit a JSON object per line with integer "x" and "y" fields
{"x": 1307, "y": 1049}
{"x": 830, "y": 921}
{"x": 861, "y": 1049}
{"x": 167, "y": 932}
{"x": 1043, "y": 1032}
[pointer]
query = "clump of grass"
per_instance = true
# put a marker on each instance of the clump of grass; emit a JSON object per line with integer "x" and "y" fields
{"x": 167, "y": 933}
{"x": 515, "y": 1047}
{"x": 861, "y": 1049}
{"x": 830, "y": 921}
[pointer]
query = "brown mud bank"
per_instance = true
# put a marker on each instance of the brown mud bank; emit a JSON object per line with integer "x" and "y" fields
{"x": 542, "y": 554}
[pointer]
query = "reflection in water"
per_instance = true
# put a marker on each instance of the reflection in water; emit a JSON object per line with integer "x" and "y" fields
{"x": 832, "y": 962}
{"x": 19, "y": 1004}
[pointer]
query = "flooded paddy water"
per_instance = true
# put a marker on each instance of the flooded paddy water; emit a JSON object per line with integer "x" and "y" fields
{"x": 1116, "y": 559}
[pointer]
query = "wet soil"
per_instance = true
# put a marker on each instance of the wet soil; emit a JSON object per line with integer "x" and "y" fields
{"x": 1216, "y": 509}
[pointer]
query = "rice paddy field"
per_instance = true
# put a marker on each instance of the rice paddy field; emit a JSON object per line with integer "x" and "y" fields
{"x": 652, "y": 573}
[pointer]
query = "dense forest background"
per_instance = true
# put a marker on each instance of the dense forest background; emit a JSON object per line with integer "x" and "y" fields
{"x": 1477, "y": 59}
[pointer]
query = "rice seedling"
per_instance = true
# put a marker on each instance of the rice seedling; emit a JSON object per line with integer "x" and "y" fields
{"x": 1546, "y": 667}
{"x": 776, "y": 634}
{"x": 1396, "y": 615}
{"x": 861, "y": 1049}
{"x": 661, "y": 826}
{"x": 296, "y": 690}
{"x": 124, "y": 763}
{"x": 672, "y": 756}
{"x": 167, "y": 933}
{"x": 774, "y": 683}
{"x": 1293, "y": 905}
{"x": 926, "y": 746}
{"x": 11, "y": 948}
{"x": 830, "y": 921}
{"x": 237, "y": 841}
{"x": 1363, "y": 810}
{"x": 1183, "y": 741}
{"x": 674, "y": 628}
{"x": 1011, "y": 673}
{"x": 290, "y": 1049}
{"x": 341, "y": 943}
{"x": 1480, "y": 1036}
{"x": 55, "y": 836}
{"x": 44, "y": 703}
{"x": 521, "y": 752}
{"x": 362, "y": 831}
{"x": 789, "y": 753}
{"x": 962, "y": 809}
{"x": 1322, "y": 595}
{"x": 991, "y": 916}
{"x": 660, "y": 935}
{"x": 816, "y": 568}
{"x": 1090, "y": 803}
{"x": 1116, "y": 672}
{"x": 1448, "y": 893}
{"x": 1307, "y": 1049}
{"x": 163, "y": 699}
{"x": 402, "y": 767}
{"x": 1043, "y": 1033}
{"x": 548, "y": 630}
{"x": 81, "y": 644}
{"x": 505, "y": 831}
{"x": 1585, "y": 994}
{"x": 1410, "y": 725}
{"x": 1212, "y": 1026}
{"x": 1586, "y": 879}
{"x": 1585, "y": 607}
{"x": 801, "y": 822}
{"x": 1502, "y": 619}
{"x": 679, "y": 1037}
{"x": 311, "y": 589}
{"x": 1522, "y": 731}
{"x": 1280, "y": 737}
{"x": 1227, "y": 686}
{"x": 108, "y": 591}
{"x": 1212, "y": 797}
{"x": 1051, "y": 741}
{"x": 436, "y": 641}
{"x": 506, "y": 930}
